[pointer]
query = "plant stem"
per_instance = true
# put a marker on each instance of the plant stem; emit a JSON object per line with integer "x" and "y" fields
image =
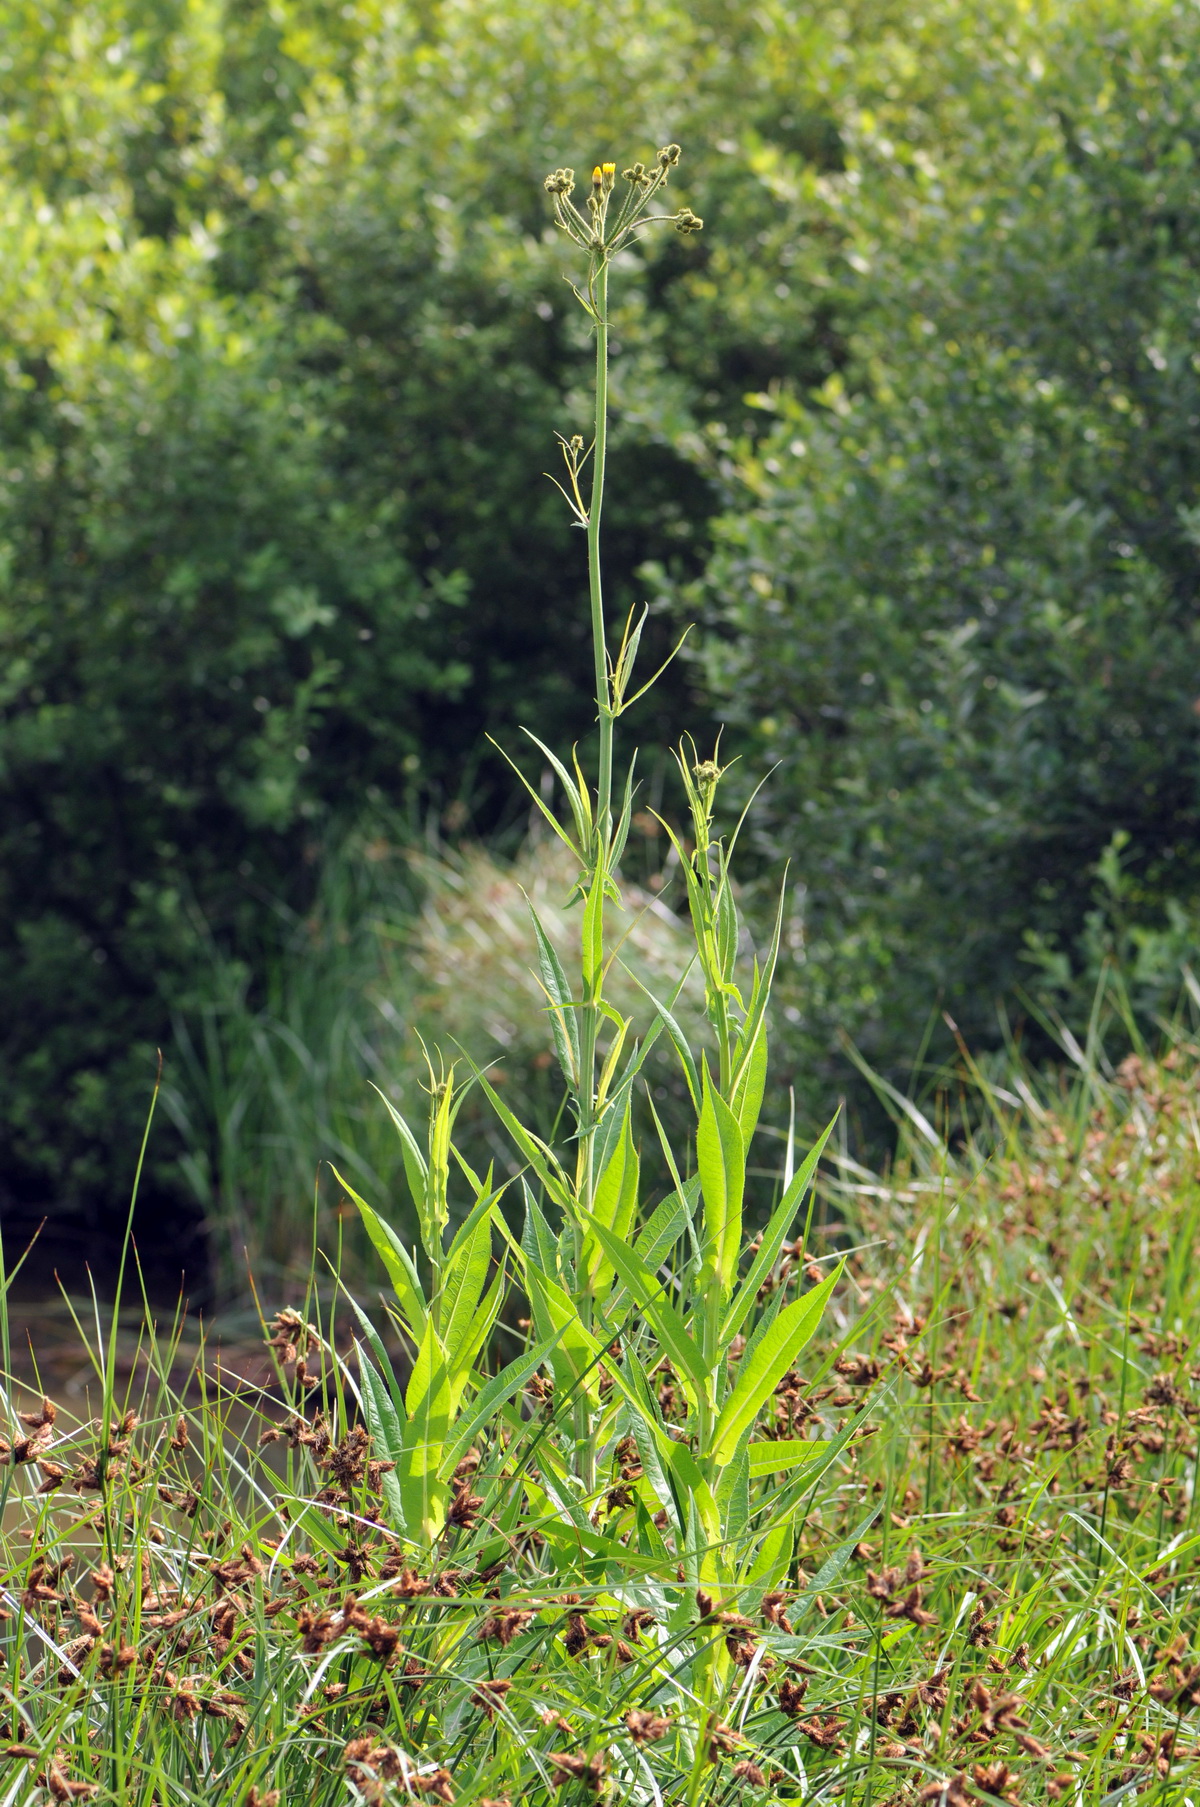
{"x": 585, "y": 1453}
{"x": 599, "y": 642}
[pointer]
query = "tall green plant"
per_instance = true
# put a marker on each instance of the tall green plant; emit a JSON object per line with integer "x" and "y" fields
{"x": 620, "y": 1295}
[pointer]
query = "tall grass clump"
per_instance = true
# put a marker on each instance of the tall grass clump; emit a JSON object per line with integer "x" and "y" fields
{"x": 562, "y": 1519}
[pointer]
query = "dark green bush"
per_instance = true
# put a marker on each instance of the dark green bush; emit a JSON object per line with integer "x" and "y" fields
{"x": 284, "y": 341}
{"x": 953, "y": 594}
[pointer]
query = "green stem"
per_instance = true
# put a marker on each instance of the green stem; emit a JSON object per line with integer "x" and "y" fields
{"x": 599, "y": 641}
{"x": 590, "y": 1015}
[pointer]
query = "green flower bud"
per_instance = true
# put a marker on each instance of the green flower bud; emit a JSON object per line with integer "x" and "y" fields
{"x": 560, "y": 182}
{"x": 687, "y": 221}
{"x": 668, "y": 157}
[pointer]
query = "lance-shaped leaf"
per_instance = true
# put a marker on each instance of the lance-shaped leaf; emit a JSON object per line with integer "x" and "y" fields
{"x": 750, "y": 1084}
{"x": 613, "y": 1207}
{"x": 428, "y": 1402}
{"x": 477, "y": 1331}
{"x": 704, "y": 1539}
{"x": 770, "y": 1562}
{"x": 397, "y": 1261}
{"x": 416, "y": 1167}
{"x": 679, "y": 1041}
{"x": 751, "y": 1051}
{"x": 666, "y": 1224}
{"x": 383, "y": 1422}
{"x": 576, "y": 1351}
{"x": 833, "y": 1565}
{"x": 593, "y": 933}
{"x": 466, "y": 1275}
{"x": 781, "y": 1222}
{"x": 721, "y": 1164}
{"x": 763, "y": 1367}
{"x": 674, "y": 1337}
{"x": 487, "y": 1402}
{"x": 733, "y": 1498}
{"x": 535, "y": 1151}
{"x": 564, "y": 1022}
{"x": 781, "y": 1455}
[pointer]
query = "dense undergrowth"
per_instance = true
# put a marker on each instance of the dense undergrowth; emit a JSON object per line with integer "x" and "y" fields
{"x": 988, "y": 1591}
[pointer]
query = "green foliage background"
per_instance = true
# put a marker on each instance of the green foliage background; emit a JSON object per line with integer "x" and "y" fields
{"x": 911, "y": 428}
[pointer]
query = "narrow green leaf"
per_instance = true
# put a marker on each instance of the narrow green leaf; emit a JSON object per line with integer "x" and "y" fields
{"x": 537, "y": 1238}
{"x": 733, "y": 1497}
{"x": 610, "y": 1132}
{"x": 703, "y": 1518}
{"x": 614, "y": 1206}
{"x": 576, "y": 1351}
{"x": 782, "y": 1456}
{"x": 564, "y": 1022}
{"x": 833, "y": 1565}
{"x": 721, "y": 1162}
{"x": 770, "y": 1361}
{"x": 387, "y": 1432}
{"x": 576, "y": 790}
{"x": 574, "y": 794}
{"x": 397, "y": 1261}
{"x": 535, "y": 1151}
{"x": 772, "y": 1559}
{"x": 488, "y": 1400}
{"x": 621, "y": 833}
{"x": 782, "y": 1218}
{"x": 593, "y": 935}
{"x": 477, "y": 1332}
{"x": 466, "y": 1274}
{"x": 375, "y": 1344}
{"x": 749, "y": 1087}
{"x": 416, "y": 1167}
{"x": 678, "y": 1039}
{"x": 430, "y": 1410}
{"x": 673, "y": 1334}
{"x": 760, "y": 996}
{"x": 666, "y": 1224}
{"x": 728, "y": 927}
{"x": 647, "y": 1435}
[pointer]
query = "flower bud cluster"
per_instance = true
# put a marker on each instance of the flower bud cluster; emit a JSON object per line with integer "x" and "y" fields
{"x": 592, "y": 228}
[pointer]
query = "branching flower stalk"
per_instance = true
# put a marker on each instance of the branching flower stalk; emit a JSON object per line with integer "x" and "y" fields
{"x": 602, "y": 239}
{"x": 602, "y": 232}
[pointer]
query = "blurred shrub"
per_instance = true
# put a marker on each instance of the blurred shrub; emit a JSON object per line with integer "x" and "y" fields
{"x": 283, "y": 343}
{"x": 953, "y": 594}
